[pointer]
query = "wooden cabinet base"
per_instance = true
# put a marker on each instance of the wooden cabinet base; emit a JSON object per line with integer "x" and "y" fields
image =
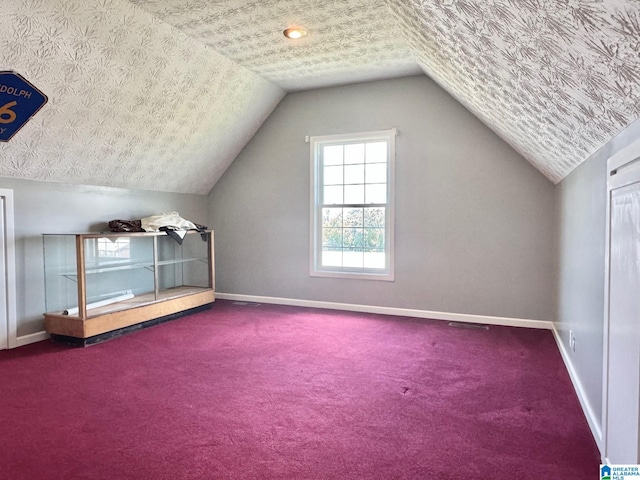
{"x": 59, "y": 325}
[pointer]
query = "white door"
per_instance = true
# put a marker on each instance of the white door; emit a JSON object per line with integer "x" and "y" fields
{"x": 621, "y": 415}
{"x": 624, "y": 324}
{"x": 4, "y": 312}
{"x": 7, "y": 272}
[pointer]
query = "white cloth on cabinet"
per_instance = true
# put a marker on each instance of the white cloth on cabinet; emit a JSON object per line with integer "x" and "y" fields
{"x": 171, "y": 220}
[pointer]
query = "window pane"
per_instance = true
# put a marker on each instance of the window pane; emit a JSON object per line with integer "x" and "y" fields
{"x": 332, "y": 217}
{"x": 354, "y": 153}
{"x": 353, "y": 238}
{"x": 332, "y": 155}
{"x": 333, "y": 175}
{"x": 353, "y": 258}
{"x": 333, "y": 195}
{"x": 376, "y": 152}
{"x": 353, "y": 194}
{"x": 373, "y": 239}
{"x": 332, "y": 239}
{"x": 376, "y": 193}
{"x": 354, "y": 174}
{"x": 374, "y": 260}
{"x": 353, "y": 217}
{"x": 374, "y": 217}
{"x": 331, "y": 258}
{"x": 376, "y": 173}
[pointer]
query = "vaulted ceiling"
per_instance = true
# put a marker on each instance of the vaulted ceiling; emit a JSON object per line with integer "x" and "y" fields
{"x": 556, "y": 79}
{"x": 349, "y": 40}
{"x": 163, "y": 94}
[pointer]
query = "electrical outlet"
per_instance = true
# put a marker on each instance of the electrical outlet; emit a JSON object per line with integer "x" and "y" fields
{"x": 572, "y": 341}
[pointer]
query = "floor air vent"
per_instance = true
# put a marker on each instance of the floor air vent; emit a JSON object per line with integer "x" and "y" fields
{"x": 246, "y": 304}
{"x": 475, "y": 326}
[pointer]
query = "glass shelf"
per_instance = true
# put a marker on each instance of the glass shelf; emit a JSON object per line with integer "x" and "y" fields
{"x": 116, "y": 266}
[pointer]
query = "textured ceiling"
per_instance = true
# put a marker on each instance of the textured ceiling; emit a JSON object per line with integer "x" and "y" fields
{"x": 348, "y": 41}
{"x": 163, "y": 94}
{"x": 555, "y": 78}
{"x": 133, "y": 102}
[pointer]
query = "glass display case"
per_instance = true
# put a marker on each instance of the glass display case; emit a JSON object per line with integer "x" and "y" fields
{"x": 102, "y": 282}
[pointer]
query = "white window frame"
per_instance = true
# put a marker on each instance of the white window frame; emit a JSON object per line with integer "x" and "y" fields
{"x": 316, "y": 269}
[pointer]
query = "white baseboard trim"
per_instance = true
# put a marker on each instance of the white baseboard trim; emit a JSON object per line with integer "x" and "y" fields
{"x": 587, "y": 409}
{"x": 31, "y": 338}
{"x": 404, "y": 312}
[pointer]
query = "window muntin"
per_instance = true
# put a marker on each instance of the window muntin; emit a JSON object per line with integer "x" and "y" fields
{"x": 352, "y": 212}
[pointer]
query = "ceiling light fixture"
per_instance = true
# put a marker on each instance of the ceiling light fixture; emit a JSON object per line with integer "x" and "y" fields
{"x": 294, "y": 33}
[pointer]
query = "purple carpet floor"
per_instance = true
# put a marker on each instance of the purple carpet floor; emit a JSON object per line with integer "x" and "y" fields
{"x": 274, "y": 392}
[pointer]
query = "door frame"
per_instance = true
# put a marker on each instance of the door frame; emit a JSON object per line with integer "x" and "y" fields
{"x": 9, "y": 327}
{"x": 623, "y": 169}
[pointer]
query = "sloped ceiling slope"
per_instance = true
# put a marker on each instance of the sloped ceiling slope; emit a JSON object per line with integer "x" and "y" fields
{"x": 133, "y": 102}
{"x": 163, "y": 94}
{"x": 348, "y": 41}
{"x": 554, "y": 78}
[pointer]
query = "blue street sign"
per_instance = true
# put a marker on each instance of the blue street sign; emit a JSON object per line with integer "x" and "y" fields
{"x": 19, "y": 101}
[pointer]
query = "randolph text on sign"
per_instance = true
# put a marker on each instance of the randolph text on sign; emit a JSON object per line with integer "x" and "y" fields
{"x": 19, "y": 101}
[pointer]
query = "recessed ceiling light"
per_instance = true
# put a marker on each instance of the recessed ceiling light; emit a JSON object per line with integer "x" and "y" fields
{"x": 294, "y": 33}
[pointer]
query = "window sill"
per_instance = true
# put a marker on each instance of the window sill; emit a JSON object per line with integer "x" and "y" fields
{"x": 384, "y": 277}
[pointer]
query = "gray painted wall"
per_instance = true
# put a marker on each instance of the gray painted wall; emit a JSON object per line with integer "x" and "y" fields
{"x": 474, "y": 221}
{"x": 581, "y": 204}
{"x": 42, "y": 207}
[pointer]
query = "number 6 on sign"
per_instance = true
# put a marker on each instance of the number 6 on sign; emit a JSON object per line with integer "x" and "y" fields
{"x": 19, "y": 101}
{"x": 6, "y": 114}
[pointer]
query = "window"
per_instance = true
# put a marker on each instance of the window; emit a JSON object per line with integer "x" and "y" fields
{"x": 352, "y": 205}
